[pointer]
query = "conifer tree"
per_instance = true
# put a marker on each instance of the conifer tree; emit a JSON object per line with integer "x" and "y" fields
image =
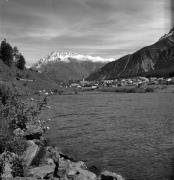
{"x": 20, "y": 63}
{"x": 6, "y": 53}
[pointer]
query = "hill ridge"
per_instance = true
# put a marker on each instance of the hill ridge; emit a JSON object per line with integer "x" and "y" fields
{"x": 154, "y": 60}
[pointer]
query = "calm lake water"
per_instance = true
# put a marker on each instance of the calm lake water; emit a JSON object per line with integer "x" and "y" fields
{"x": 131, "y": 134}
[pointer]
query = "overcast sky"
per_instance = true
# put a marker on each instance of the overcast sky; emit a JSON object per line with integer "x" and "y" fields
{"x": 107, "y": 28}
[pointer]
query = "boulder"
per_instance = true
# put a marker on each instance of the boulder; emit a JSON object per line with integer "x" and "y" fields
{"x": 78, "y": 171}
{"x": 80, "y": 174}
{"x": 67, "y": 169}
{"x": 18, "y": 132}
{"x": 95, "y": 170}
{"x": 41, "y": 172}
{"x": 66, "y": 165}
{"x": 30, "y": 153}
{"x": 106, "y": 175}
{"x": 33, "y": 132}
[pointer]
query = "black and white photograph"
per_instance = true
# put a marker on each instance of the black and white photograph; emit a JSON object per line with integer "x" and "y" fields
{"x": 87, "y": 89}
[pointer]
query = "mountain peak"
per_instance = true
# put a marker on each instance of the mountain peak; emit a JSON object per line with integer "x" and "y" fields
{"x": 172, "y": 30}
{"x": 63, "y": 54}
{"x": 68, "y": 56}
{"x": 154, "y": 60}
{"x": 65, "y": 66}
{"x": 170, "y": 34}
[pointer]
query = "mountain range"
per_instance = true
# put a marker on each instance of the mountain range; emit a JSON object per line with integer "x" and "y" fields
{"x": 68, "y": 66}
{"x": 154, "y": 60}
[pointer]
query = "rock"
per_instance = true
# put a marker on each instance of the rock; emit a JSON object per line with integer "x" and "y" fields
{"x": 18, "y": 132}
{"x": 95, "y": 170}
{"x": 106, "y": 175}
{"x": 50, "y": 161}
{"x": 78, "y": 171}
{"x": 66, "y": 165}
{"x": 76, "y": 165}
{"x": 33, "y": 132}
{"x": 66, "y": 157}
{"x": 80, "y": 174}
{"x": 66, "y": 169}
{"x": 41, "y": 172}
{"x": 30, "y": 153}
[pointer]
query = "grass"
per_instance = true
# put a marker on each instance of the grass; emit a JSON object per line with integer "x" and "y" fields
{"x": 126, "y": 89}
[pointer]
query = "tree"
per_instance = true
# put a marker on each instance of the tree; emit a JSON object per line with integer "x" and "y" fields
{"x": 6, "y": 53}
{"x": 16, "y": 54}
{"x": 20, "y": 63}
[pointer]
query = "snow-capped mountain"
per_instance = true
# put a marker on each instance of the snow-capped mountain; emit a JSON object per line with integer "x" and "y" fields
{"x": 65, "y": 66}
{"x": 67, "y": 57}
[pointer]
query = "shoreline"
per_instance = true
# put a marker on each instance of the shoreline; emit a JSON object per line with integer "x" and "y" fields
{"x": 122, "y": 89}
{"x": 42, "y": 161}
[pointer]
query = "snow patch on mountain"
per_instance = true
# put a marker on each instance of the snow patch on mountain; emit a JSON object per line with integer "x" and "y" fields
{"x": 67, "y": 57}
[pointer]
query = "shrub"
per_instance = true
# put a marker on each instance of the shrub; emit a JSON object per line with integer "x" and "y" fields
{"x": 19, "y": 75}
{"x": 16, "y": 145}
{"x": 27, "y": 76}
{"x": 18, "y": 113}
{"x": 5, "y": 93}
{"x": 3, "y": 141}
{"x": 1, "y": 167}
{"x": 17, "y": 167}
{"x": 149, "y": 89}
{"x": 25, "y": 84}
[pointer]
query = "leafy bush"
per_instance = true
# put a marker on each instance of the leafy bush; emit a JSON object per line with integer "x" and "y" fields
{"x": 25, "y": 84}
{"x": 3, "y": 141}
{"x": 16, "y": 145}
{"x": 1, "y": 167}
{"x": 17, "y": 167}
{"x": 19, "y": 75}
{"x": 149, "y": 89}
{"x": 5, "y": 93}
{"x": 17, "y": 113}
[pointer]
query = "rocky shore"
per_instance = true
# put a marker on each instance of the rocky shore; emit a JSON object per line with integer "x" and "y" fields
{"x": 41, "y": 161}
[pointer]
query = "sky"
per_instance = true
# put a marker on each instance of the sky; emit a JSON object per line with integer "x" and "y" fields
{"x": 106, "y": 28}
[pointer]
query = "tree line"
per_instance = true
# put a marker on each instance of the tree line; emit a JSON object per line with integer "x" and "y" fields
{"x": 11, "y": 55}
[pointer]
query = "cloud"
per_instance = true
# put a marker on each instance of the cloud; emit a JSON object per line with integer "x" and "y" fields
{"x": 109, "y": 28}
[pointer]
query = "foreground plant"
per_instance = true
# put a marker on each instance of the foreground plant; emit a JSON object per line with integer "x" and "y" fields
{"x": 17, "y": 113}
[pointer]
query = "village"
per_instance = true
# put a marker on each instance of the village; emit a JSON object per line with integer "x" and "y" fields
{"x": 136, "y": 82}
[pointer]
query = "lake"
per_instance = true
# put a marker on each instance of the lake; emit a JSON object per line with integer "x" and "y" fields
{"x": 130, "y": 134}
